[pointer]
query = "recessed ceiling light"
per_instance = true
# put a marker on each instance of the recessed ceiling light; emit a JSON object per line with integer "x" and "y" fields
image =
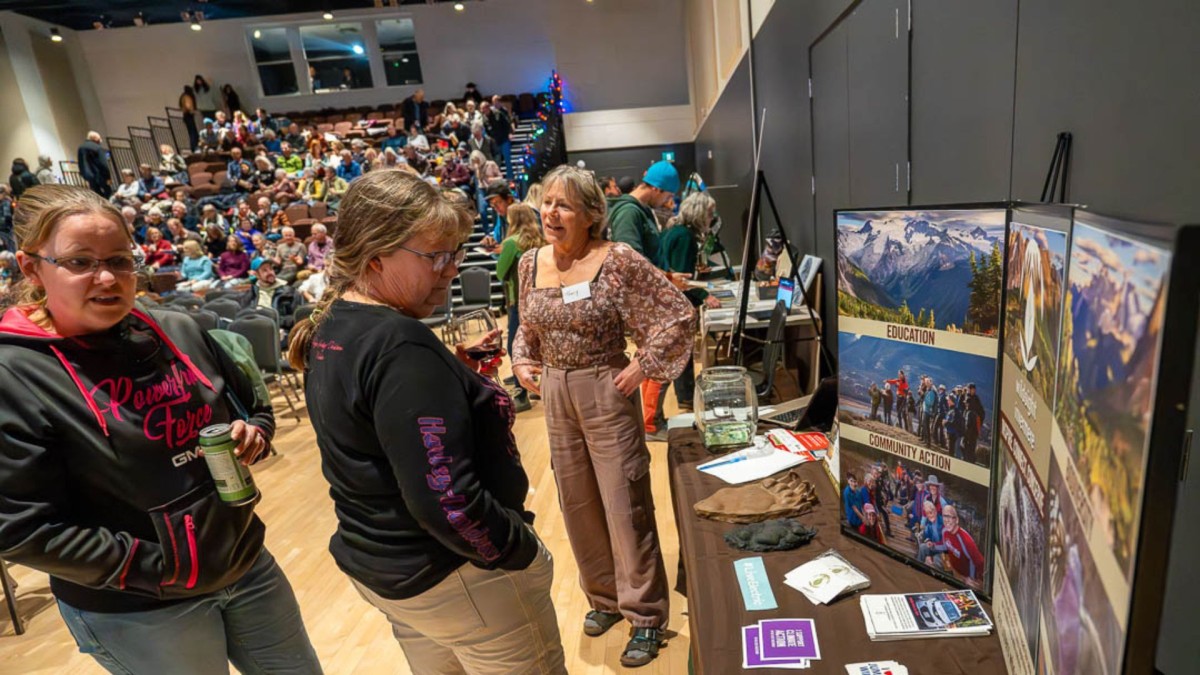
{"x": 55, "y": 36}
{"x": 404, "y": 60}
{"x": 257, "y": 34}
{"x": 328, "y": 16}
{"x": 196, "y": 25}
{"x": 357, "y": 49}
{"x": 458, "y": 7}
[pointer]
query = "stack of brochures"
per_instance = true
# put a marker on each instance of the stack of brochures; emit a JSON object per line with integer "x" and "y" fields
{"x": 826, "y": 577}
{"x": 876, "y": 668}
{"x": 924, "y": 615}
{"x": 780, "y": 643}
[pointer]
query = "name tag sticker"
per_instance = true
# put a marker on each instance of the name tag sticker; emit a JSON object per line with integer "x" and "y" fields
{"x": 576, "y": 292}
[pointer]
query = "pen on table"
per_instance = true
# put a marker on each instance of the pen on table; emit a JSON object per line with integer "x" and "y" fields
{"x": 724, "y": 462}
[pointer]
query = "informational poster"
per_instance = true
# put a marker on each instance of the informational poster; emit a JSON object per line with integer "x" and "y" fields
{"x": 1112, "y": 331}
{"x": 1035, "y": 284}
{"x": 919, "y": 294}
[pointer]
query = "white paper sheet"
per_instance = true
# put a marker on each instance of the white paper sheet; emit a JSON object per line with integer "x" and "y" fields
{"x": 753, "y": 468}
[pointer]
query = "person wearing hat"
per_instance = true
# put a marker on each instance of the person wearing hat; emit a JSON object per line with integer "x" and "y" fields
{"x": 631, "y": 217}
{"x": 939, "y": 417}
{"x": 499, "y": 197}
{"x": 269, "y": 291}
{"x": 870, "y": 526}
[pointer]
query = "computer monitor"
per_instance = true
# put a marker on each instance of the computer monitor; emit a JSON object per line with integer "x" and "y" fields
{"x": 787, "y": 292}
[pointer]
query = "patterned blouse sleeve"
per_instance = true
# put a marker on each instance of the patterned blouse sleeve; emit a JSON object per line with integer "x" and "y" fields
{"x": 527, "y": 347}
{"x": 661, "y": 319}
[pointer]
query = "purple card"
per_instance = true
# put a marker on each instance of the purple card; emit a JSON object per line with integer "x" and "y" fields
{"x": 788, "y": 640}
{"x": 752, "y": 653}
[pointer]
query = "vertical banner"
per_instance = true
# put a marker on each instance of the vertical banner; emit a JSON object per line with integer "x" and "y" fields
{"x": 1103, "y": 404}
{"x": 918, "y": 323}
{"x": 1035, "y": 288}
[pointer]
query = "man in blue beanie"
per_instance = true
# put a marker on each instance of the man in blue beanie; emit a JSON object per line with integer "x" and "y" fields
{"x": 631, "y": 217}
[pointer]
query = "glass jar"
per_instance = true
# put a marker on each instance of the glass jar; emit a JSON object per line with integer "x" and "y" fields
{"x": 726, "y": 408}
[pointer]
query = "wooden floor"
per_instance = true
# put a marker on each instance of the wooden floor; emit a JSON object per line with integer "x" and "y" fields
{"x": 349, "y": 635}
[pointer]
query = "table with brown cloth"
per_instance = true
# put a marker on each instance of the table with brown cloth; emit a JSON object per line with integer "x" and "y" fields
{"x": 716, "y": 613}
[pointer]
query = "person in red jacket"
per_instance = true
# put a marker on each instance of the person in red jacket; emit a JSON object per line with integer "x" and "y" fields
{"x": 901, "y": 384}
{"x": 959, "y": 547}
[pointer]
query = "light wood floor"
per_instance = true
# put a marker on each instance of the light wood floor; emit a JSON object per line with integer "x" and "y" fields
{"x": 349, "y": 635}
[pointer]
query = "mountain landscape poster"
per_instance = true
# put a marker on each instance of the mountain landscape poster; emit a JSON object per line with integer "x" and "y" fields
{"x": 933, "y": 269}
{"x": 1112, "y": 327}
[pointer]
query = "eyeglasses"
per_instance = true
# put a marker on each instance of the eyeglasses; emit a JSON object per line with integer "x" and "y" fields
{"x": 82, "y": 264}
{"x": 442, "y": 258}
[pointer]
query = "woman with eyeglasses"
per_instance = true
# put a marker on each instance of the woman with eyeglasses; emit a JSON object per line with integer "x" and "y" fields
{"x": 418, "y": 448}
{"x": 102, "y": 487}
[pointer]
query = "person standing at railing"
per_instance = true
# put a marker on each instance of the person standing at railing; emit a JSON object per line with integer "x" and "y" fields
{"x": 93, "y": 165}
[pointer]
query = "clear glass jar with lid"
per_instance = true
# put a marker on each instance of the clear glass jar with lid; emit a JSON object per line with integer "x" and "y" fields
{"x": 726, "y": 408}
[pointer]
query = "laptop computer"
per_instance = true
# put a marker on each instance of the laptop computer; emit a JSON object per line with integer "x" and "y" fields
{"x": 785, "y": 293}
{"x": 813, "y": 411}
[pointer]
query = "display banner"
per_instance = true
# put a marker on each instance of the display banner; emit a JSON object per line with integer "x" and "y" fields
{"x": 1035, "y": 283}
{"x": 1112, "y": 331}
{"x": 919, "y": 292}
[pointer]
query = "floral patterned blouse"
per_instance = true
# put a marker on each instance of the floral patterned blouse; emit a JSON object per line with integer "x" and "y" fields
{"x": 628, "y": 292}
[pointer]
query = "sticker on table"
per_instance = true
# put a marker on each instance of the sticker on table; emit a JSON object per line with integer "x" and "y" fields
{"x": 756, "y": 588}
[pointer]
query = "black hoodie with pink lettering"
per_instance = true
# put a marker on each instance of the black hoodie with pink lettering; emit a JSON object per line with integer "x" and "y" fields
{"x": 100, "y": 483}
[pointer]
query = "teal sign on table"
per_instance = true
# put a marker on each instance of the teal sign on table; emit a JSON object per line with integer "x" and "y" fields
{"x": 756, "y": 588}
{"x": 668, "y": 156}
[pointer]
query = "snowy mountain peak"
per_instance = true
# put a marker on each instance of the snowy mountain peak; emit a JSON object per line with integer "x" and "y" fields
{"x": 866, "y": 228}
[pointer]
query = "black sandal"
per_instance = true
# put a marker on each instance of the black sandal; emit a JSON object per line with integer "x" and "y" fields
{"x": 642, "y": 648}
{"x": 597, "y": 623}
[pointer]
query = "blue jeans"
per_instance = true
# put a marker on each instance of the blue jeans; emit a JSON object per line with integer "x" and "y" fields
{"x": 506, "y": 150}
{"x": 255, "y": 623}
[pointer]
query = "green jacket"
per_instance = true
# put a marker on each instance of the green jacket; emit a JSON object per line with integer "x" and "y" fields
{"x": 631, "y": 222}
{"x": 239, "y": 350}
{"x": 677, "y": 252}
{"x": 506, "y": 268}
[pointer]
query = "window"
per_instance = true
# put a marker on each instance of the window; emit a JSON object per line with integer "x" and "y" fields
{"x": 337, "y": 57}
{"x": 398, "y": 44}
{"x": 273, "y": 58}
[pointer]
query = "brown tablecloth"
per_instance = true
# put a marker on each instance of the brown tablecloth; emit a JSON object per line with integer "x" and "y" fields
{"x": 716, "y": 613}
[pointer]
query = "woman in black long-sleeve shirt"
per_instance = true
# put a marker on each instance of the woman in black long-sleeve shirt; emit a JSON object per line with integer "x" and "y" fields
{"x": 417, "y": 447}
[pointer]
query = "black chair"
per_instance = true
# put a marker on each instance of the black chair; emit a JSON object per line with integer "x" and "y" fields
{"x": 208, "y": 320}
{"x": 10, "y": 598}
{"x": 186, "y": 300}
{"x": 440, "y": 317}
{"x": 304, "y": 311}
{"x": 259, "y": 311}
{"x": 476, "y": 289}
{"x": 263, "y": 337}
{"x": 226, "y": 308}
{"x": 763, "y": 376}
{"x": 218, "y": 293}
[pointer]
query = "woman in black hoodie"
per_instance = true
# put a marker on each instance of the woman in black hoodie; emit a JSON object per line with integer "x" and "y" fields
{"x": 22, "y": 178}
{"x": 101, "y": 486}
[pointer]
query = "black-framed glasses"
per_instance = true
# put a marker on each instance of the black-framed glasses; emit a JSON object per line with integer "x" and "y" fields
{"x": 442, "y": 258}
{"x": 82, "y": 264}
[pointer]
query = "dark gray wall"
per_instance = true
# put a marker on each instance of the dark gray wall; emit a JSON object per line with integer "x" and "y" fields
{"x": 724, "y": 158}
{"x": 634, "y": 161}
{"x": 991, "y": 84}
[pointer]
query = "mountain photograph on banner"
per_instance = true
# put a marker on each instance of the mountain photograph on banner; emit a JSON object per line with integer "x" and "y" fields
{"x": 1033, "y": 315}
{"x": 1110, "y": 349}
{"x": 932, "y": 269}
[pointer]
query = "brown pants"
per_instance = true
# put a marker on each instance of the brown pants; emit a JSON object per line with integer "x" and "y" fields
{"x": 602, "y": 468}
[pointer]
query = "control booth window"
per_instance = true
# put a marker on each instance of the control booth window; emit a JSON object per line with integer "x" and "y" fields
{"x": 398, "y": 45}
{"x": 337, "y": 57}
{"x": 273, "y": 59}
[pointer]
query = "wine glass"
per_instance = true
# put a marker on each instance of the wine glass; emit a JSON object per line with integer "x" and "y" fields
{"x": 470, "y": 330}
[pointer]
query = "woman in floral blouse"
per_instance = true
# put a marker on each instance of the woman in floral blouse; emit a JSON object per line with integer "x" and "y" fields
{"x": 578, "y": 296}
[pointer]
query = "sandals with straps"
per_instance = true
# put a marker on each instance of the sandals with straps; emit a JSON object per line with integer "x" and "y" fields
{"x": 642, "y": 647}
{"x": 597, "y": 623}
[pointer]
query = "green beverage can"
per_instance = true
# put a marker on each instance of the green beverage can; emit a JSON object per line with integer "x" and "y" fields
{"x": 235, "y": 485}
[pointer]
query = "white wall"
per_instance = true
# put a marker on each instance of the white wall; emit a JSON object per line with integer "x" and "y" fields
{"x": 609, "y": 54}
